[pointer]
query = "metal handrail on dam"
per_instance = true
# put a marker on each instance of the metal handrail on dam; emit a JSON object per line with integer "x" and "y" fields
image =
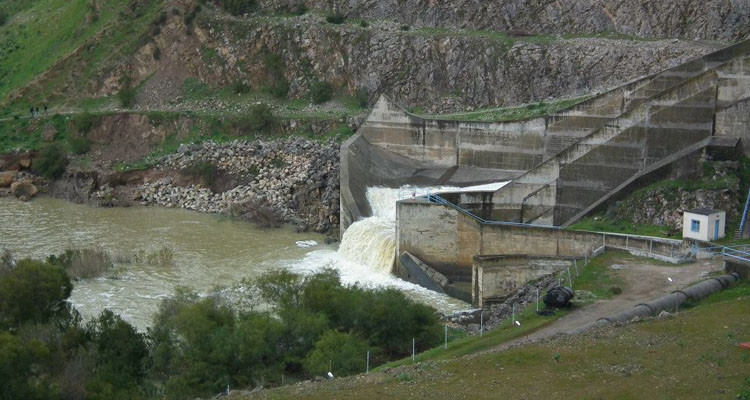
{"x": 744, "y": 217}
{"x": 436, "y": 199}
{"x": 646, "y": 246}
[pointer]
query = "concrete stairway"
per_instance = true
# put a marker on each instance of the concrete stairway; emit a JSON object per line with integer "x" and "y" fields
{"x": 657, "y": 126}
{"x": 569, "y": 126}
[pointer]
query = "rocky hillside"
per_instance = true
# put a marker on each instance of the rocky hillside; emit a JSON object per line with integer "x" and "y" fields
{"x": 689, "y": 19}
{"x": 176, "y": 44}
{"x": 128, "y": 82}
{"x": 662, "y": 204}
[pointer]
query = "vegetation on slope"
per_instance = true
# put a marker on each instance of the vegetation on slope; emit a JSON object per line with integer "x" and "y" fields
{"x": 693, "y": 355}
{"x": 45, "y": 31}
{"x": 517, "y": 113}
{"x": 198, "y": 345}
{"x": 715, "y": 186}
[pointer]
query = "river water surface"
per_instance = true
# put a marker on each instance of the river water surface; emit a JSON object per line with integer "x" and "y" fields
{"x": 208, "y": 252}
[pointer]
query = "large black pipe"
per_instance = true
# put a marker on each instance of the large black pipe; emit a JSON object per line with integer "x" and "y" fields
{"x": 671, "y": 301}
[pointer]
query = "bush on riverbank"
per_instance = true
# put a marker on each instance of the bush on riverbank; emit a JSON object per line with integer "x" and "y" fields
{"x": 203, "y": 344}
{"x": 51, "y": 161}
{"x": 47, "y": 353}
{"x": 83, "y": 263}
{"x": 198, "y": 344}
{"x": 256, "y": 211}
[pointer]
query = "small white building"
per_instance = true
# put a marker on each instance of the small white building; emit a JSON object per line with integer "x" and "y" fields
{"x": 703, "y": 224}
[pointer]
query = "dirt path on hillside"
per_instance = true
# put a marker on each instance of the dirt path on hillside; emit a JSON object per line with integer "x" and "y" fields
{"x": 643, "y": 281}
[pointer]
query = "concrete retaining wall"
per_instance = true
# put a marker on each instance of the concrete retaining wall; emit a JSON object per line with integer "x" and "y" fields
{"x": 494, "y": 278}
{"x": 448, "y": 240}
{"x": 735, "y": 122}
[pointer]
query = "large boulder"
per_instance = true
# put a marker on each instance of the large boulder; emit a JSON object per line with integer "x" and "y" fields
{"x": 23, "y": 190}
{"x": 6, "y": 178}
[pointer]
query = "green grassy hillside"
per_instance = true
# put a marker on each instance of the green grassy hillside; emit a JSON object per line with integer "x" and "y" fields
{"x": 693, "y": 355}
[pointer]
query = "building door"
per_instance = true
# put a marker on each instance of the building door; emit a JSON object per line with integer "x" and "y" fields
{"x": 716, "y": 229}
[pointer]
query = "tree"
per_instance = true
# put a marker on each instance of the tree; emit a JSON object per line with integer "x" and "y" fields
{"x": 51, "y": 161}
{"x": 122, "y": 354}
{"x": 34, "y": 291}
{"x": 321, "y": 91}
{"x": 345, "y": 352}
{"x": 17, "y": 359}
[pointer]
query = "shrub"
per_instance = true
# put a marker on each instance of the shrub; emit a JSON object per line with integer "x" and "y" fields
{"x": 240, "y": 87}
{"x": 298, "y": 9}
{"x": 33, "y": 291}
{"x": 157, "y": 53}
{"x": 203, "y": 170}
{"x": 405, "y": 28}
{"x": 364, "y": 24}
{"x": 122, "y": 353}
{"x": 257, "y": 211}
{"x": 163, "y": 257}
{"x": 260, "y": 118}
{"x": 83, "y": 263}
{"x": 274, "y": 66}
{"x": 80, "y": 145}
{"x": 86, "y": 121}
{"x": 3, "y": 18}
{"x": 335, "y": 18}
{"x": 7, "y": 262}
{"x": 344, "y": 352}
{"x": 126, "y": 95}
{"x": 362, "y": 97}
{"x": 51, "y": 161}
{"x": 321, "y": 91}
{"x": 238, "y": 7}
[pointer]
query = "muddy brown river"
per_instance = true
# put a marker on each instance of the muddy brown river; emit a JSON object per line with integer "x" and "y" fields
{"x": 209, "y": 252}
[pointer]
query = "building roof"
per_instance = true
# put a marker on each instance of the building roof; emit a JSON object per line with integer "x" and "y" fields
{"x": 704, "y": 211}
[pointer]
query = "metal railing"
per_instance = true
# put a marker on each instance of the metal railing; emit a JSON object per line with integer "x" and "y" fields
{"x": 740, "y": 252}
{"x": 729, "y": 252}
{"x": 744, "y": 216}
{"x": 437, "y": 199}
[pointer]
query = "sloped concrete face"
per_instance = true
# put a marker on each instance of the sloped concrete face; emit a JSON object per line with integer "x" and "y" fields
{"x": 562, "y": 187}
{"x": 561, "y": 166}
{"x": 734, "y": 121}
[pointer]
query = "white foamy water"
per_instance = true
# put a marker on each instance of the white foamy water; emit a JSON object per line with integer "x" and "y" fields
{"x": 368, "y": 248}
{"x": 209, "y": 251}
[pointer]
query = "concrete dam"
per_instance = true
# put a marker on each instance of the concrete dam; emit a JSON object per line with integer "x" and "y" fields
{"x": 524, "y": 181}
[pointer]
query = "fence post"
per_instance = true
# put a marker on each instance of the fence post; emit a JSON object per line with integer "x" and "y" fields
{"x": 367, "y": 368}
{"x": 537, "y": 299}
{"x": 413, "y": 349}
{"x": 446, "y": 336}
{"x": 575, "y": 265}
{"x": 570, "y": 280}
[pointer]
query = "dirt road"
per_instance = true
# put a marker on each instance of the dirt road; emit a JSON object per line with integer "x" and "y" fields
{"x": 644, "y": 281}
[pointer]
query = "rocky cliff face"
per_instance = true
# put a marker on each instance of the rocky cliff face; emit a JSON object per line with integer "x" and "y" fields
{"x": 664, "y": 205}
{"x": 439, "y": 71}
{"x": 689, "y": 19}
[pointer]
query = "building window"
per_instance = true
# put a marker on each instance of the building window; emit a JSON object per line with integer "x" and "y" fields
{"x": 695, "y": 225}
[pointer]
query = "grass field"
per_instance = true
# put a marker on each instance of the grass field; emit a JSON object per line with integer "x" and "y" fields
{"x": 693, "y": 355}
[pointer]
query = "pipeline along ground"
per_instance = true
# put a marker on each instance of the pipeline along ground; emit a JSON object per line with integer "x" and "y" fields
{"x": 692, "y": 355}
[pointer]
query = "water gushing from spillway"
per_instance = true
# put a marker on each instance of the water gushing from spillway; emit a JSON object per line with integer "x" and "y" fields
{"x": 372, "y": 241}
{"x": 367, "y": 251}
{"x": 209, "y": 251}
